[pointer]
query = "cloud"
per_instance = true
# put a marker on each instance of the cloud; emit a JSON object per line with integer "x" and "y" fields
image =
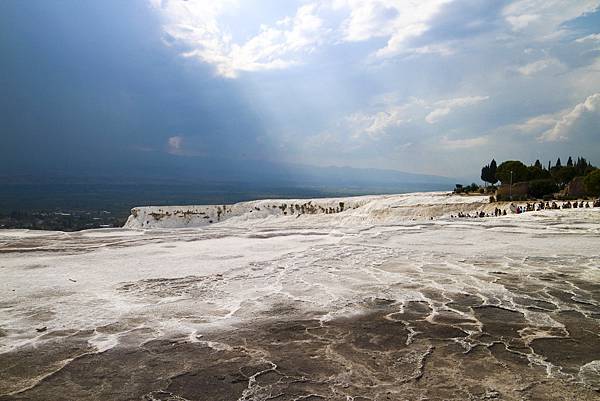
{"x": 453, "y": 144}
{"x": 195, "y": 26}
{"x": 376, "y": 124}
{"x": 536, "y": 124}
{"x": 509, "y": 50}
{"x": 398, "y": 21}
{"x": 543, "y": 18}
{"x": 589, "y": 38}
{"x": 440, "y": 49}
{"x": 175, "y": 145}
{"x": 445, "y": 107}
{"x": 537, "y": 66}
{"x": 566, "y": 124}
{"x": 521, "y": 21}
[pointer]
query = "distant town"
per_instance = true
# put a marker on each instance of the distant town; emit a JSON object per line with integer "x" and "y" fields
{"x": 60, "y": 220}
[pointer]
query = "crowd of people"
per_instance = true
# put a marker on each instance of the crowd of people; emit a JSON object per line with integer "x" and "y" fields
{"x": 497, "y": 212}
{"x": 531, "y": 207}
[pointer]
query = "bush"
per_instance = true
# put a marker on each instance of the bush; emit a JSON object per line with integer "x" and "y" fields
{"x": 592, "y": 182}
{"x": 564, "y": 174}
{"x": 472, "y": 188}
{"x": 539, "y": 188}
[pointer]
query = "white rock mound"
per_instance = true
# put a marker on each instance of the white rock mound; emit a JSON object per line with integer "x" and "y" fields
{"x": 365, "y": 209}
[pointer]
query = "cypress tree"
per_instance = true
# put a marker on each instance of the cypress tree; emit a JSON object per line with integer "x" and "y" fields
{"x": 485, "y": 173}
{"x": 492, "y": 173}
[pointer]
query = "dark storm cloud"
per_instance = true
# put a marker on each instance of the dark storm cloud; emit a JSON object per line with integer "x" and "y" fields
{"x": 92, "y": 83}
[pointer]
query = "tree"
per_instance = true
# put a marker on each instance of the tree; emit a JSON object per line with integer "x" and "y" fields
{"x": 592, "y": 182}
{"x": 538, "y": 164}
{"x": 581, "y": 164}
{"x": 519, "y": 171}
{"x": 539, "y": 188}
{"x": 558, "y": 163}
{"x": 485, "y": 173}
{"x": 583, "y": 167}
{"x": 493, "y": 170}
{"x": 570, "y": 162}
{"x": 488, "y": 173}
{"x": 564, "y": 174}
{"x": 537, "y": 173}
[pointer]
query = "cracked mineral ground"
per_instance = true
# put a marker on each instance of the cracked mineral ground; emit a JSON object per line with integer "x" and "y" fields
{"x": 366, "y": 304}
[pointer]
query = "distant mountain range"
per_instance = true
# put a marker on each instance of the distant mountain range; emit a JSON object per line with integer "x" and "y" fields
{"x": 119, "y": 185}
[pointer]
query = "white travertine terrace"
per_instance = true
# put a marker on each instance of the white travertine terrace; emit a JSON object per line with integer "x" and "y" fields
{"x": 350, "y": 210}
{"x": 173, "y": 273}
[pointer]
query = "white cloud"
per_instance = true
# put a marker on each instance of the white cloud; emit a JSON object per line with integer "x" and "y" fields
{"x": 537, "y": 66}
{"x": 542, "y": 18}
{"x": 444, "y": 107}
{"x": 441, "y": 49}
{"x": 589, "y": 38}
{"x": 376, "y": 124}
{"x": 563, "y": 128}
{"x": 452, "y": 144}
{"x": 436, "y": 114}
{"x": 195, "y": 25}
{"x": 392, "y": 114}
{"x": 521, "y": 21}
{"x": 395, "y": 20}
{"x": 536, "y": 124}
{"x": 175, "y": 145}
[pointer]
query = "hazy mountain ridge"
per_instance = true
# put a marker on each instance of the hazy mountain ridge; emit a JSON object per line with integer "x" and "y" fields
{"x": 196, "y": 181}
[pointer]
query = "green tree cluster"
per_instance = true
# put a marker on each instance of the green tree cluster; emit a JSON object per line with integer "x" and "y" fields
{"x": 465, "y": 189}
{"x": 543, "y": 181}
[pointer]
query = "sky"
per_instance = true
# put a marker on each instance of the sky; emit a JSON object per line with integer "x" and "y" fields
{"x": 429, "y": 86}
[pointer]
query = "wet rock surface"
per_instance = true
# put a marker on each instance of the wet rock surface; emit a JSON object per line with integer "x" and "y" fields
{"x": 390, "y": 353}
